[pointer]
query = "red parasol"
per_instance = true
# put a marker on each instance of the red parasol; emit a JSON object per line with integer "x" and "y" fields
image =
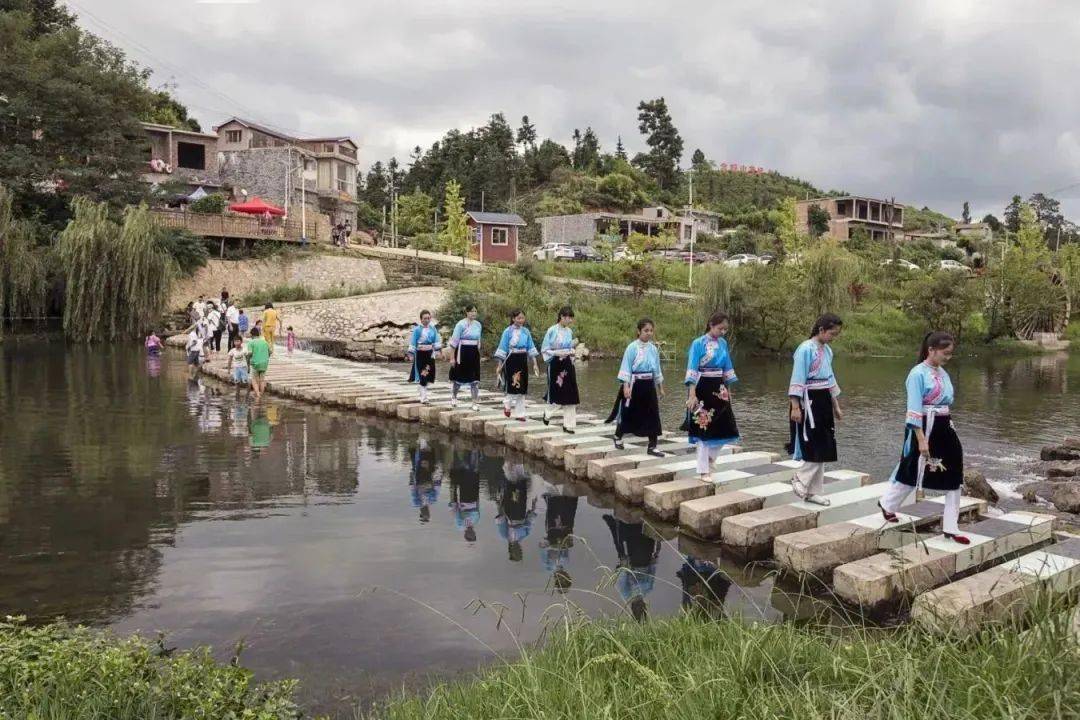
{"x": 256, "y": 206}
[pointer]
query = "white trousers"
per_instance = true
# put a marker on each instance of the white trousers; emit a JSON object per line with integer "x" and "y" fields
{"x": 896, "y": 493}
{"x": 474, "y": 390}
{"x": 569, "y": 415}
{"x": 423, "y": 393}
{"x": 810, "y": 479}
{"x": 515, "y": 403}
{"x": 706, "y": 456}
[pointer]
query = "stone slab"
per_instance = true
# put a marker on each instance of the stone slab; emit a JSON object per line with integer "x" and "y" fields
{"x": 630, "y": 484}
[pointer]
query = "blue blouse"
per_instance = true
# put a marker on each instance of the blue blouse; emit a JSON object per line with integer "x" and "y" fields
{"x": 709, "y": 354}
{"x": 558, "y": 342}
{"x": 516, "y": 339}
{"x": 466, "y": 330}
{"x": 812, "y": 369}
{"x": 928, "y": 389}
{"x": 641, "y": 358}
{"x": 424, "y": 335}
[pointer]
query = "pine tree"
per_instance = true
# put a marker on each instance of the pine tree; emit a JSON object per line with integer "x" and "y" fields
{"x": 620, "y": 151}
{"x": 665, "y": 143}
{"x": 526, "y": 134}
{"x": 965, "y": 214}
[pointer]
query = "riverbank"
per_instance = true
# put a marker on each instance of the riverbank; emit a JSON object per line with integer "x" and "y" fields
{"x": 689, "y": 668}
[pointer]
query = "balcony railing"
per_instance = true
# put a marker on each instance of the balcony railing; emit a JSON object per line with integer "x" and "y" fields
{"x": 239, "y": 226}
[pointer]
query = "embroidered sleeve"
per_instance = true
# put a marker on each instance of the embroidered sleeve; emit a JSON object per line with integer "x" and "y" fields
{"x": 437, "y": 344}
{"x": 549, "y": 337}
{"x": 914, "y": 388}
{"x": 530, "y": 345}
{"x": 503, "y": 351}
{"x": 626, "y": 370}
{"x": 654, "y": 354}
{"x": 730, "y": 377}
{"x": 800, "y": 362}
{"x": 455, "y": 338}
{"x": 413, "y": 339}
{"x": 693, "y": 361}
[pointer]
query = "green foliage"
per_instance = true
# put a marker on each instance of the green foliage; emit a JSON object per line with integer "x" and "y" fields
{"x": 586, "y": 154}
{"x": 277, "y": 294}
{"x": 212, "y": 204}
{"x": 965, "y": 214}
{"x": 186, "y": 249}
{"x": 63, "y": 671}
{"x": 1030, "y": 296}
{"x": 23, "y": 265}
{"x": 665, "y": 143}
{"x": 619, "y": 192}
{"x": 166, "y": 110}
{"x": 415, "y": 213}
{"x": 118, "y": 275}
{"x": 829, "y": 272}
{"x": 784, "y": 220}
{"x": 69, "y": 118}
{"x": 925, "y": 219}
{"x": 818, "y": 219}
{"x": 529, "y": 269}
{"x": 881, "y": 330}
{"x": 455, "y": 235}
{"x": 743, "y": 240}
{"x": 943, "y": 301}
{"x": 923, "y": 253}
{"x": 689, "y": 668}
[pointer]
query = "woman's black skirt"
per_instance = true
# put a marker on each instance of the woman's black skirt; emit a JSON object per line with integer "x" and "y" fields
{"x": 944, "y": 446}
{"x": 714, "y": 423}
{"x": 423, "y": 367}
{"x": 815, "y": 444}
{"x": 467, "y": 369}
{"x": 562, "y": 382}
{"x": 515, "y": 374}
{"x": 641, "y": 416}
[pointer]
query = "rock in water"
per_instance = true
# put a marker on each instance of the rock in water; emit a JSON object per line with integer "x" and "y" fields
{"x": 1073, "y": 442}
{"x": 975, "y": 485}
{"x": 1062, "y": 470}
{"x": 1066, "y": 497}
{"x": 1059, "y": 452}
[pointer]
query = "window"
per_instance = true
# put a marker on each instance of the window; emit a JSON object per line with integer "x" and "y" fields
{"x": 500, "y": 236}
{"x": 191, "y": 156}
{"x": 234, "y": 136}
{"x": 329, "y": 147}
{"x": 688, "y": 232}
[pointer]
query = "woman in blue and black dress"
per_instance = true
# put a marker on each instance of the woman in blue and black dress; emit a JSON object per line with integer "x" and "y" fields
{"x": 641, "y": 384}
{"x": 516, "y": 349}
{"x": 465, "y": 358}
{"x": 710, "y": 421}
{"x": 932, "y": 456}
{"x": 562, "y": 389}
{"x": 424, "y": 343}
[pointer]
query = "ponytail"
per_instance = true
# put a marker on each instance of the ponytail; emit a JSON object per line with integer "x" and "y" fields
{"x": 935, "y": 340}
{"x": 826, "y": 321}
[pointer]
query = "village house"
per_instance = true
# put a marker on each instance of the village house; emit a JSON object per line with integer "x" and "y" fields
{"x": 495, "y": 236}
{"x": 185, "y": 159}
{"x": 978, "y": 232}
{"x": 260, "y": 161}
{"x": 585, "y": 228}
{"x": 940, "y": 238}
{"x": 883, "y": 220}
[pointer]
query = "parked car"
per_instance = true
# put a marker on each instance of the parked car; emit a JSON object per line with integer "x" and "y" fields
{"x": 900, "y": 264}
{"x": 954, "y": 266}
{"x": 555, "y": 251}
{"x": 584, "y": 253}
{"x": 766, "y": 259}
{"x": 743, "y": 259}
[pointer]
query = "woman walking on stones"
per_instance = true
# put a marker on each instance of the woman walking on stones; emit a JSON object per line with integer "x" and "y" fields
{"x": 423, "y": 344}
{"x": 710, "y": 421}
{"x": 516, "y": 348}
{"x": 637, "y": 407}
{"x": 814, "y": 399}
{"x": 562, "y": 388}
{"x": 932, "y": 456}
{"x": 465, "y": 357}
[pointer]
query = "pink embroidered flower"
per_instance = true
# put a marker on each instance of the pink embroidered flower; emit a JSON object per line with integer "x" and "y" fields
{"x": 703, "y": 418}
{"x": 560, "y": 378}
{"x": 425, "y": 371}
{"x": 723, "y": 394}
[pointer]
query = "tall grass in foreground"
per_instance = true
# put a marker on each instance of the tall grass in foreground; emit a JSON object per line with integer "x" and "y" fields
{"x": 687, "y": 668}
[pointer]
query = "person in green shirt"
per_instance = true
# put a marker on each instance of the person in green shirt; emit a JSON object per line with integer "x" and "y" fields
{"x": 258, "y": 351}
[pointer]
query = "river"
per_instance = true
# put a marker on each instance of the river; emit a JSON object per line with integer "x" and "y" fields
{"x": 134, "y": 500}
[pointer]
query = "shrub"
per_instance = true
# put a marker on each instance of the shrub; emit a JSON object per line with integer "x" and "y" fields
{"x": 213, "y": 204}
{"x": 529, "y": 269}
{"x": 943, "y": 301}
{"x": 186, "y": 249}
{"x": 278, "y": 293}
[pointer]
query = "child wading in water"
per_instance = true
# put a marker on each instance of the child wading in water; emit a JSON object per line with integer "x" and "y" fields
{"x": 238, "y": 361}
{"x": 153, "y": 344}
{"x": 290, "y": 340}
{"x": 258, "y": 352}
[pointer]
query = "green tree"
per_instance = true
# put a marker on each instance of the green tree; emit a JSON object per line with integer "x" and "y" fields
{"x": 415, "y": 214}
{"x": 665, "y": 143}
{"x": 619, "y": 192}
{"x": 941, "y": 301}
{"x": 586, "y": 151}
{"x": 995, "y": 225}
{"x": 166, "y": 110}
{"x": 526, "y": 134}
{"x": 965, "y": 214}
{"x": 620, "y": 151}
{"x": 1012, "y": 214}
{"x": 376, "y": 187}
{"x": 455, "y": 236}
{"x": 23, "y": 265}
{"x": 818, "y": 219}
{"x": 784, "y": 220}
{"x": 212, "y": 204}
{"x": 697, "y": 159}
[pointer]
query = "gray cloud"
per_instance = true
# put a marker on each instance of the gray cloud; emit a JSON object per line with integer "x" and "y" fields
{"x": 931, "y": 102}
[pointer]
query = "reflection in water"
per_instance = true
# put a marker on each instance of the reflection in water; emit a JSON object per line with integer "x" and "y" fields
{"x": 559, "y": 538}
{"x": 116, "y": 477}
{"x": 636, "y": 569}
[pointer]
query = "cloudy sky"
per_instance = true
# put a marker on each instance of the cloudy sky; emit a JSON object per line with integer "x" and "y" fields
{"x": 933, "y": 102}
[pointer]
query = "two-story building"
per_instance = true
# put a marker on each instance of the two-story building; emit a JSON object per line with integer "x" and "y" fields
{"x": 585, "y": 228}
{"x": 270, "y": 164}
{"x": 882, "y": 219}
{"x": 185, "y": 158}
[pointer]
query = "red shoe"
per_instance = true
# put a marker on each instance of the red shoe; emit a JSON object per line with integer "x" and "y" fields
{"x": 506, "y": 412}
{"x": 962, "y": 539}
{"x": 889, "y": 517}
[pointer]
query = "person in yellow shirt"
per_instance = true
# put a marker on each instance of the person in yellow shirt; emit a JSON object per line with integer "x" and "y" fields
{"x": 270, "y": 322}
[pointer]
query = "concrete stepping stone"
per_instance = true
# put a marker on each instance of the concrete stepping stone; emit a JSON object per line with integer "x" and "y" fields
{"x": 552, "y": 447}
{"x": 817, "y": 551}
{"x": 514, "y": 435}
{"x": 1004, "y": 593}
{"x": 664, "y": 499}
{"x": 751, "y": 535}
{"x": 890, "y": 579}
{"x": 630, "y": 484}
{"x": 704, "y": 517}
{"x": 602, "y": 470}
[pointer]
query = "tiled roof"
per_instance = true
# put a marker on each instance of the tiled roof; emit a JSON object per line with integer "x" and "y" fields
{"x": 489, "y": 218}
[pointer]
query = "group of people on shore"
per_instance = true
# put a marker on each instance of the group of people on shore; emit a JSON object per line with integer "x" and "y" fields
{"x": 249, "y": 347}
{"x": 931, "y": 456}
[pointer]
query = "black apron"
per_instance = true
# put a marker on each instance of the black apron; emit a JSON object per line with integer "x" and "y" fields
{"x": 944, "y": 445}
{"x": 816, "y": 444}
{"x": 714, "y": 422}
{"x": 467, "y": 368}
{"x": 423, "y": 367}
{"x": 514, "y": 378}
{"x": 641, "y": 416}
{"x": 562, "y": 386}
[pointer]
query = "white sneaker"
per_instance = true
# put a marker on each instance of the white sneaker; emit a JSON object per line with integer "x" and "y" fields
{"x": 476, "y": 407}
{"x": 818, "y": 499}
{"x": 453, "y": 402}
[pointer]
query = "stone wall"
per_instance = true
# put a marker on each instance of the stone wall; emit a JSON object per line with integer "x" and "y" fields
{"x": 368, "y": 327}
{"x": 319, "y": 273}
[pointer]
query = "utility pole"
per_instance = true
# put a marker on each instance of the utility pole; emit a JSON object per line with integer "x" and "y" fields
{"x": 693, "y": 229}
{"x": 481, "y": 201}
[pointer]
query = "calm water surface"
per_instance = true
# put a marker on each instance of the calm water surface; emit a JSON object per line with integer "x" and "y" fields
{"x": 342, "y": 550}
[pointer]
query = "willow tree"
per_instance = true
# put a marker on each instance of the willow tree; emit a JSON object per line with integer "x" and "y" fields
{"x": 118, "y": 274}
{"x": 23, "y": 266}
